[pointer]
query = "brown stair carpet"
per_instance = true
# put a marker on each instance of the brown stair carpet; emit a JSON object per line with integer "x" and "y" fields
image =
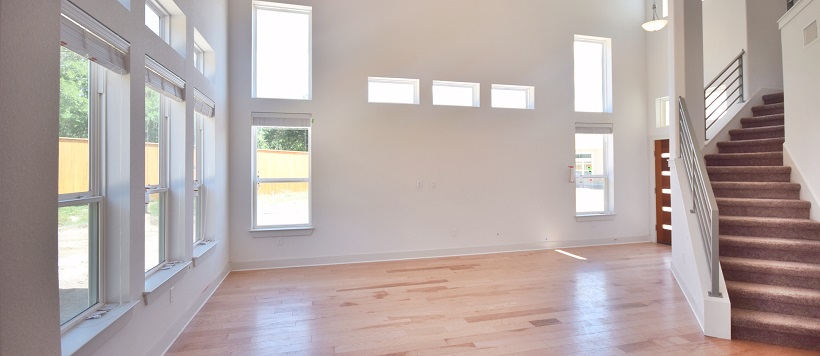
{"x": 769, "y": 248}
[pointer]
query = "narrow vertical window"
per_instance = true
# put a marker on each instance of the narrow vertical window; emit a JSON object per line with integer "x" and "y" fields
{"x": 455, "y": 93}
{"x": 80, "y": 198}
{"x": 662, "y": 112}
{"x": 156, "y": 185}
{"x": 281, "y": 171}
{"x": 281, "y": 51}
{"x": 157, "y": 19}
{"x": 513, "y": 96}
{"x": 593, "y": 74}
{"x": 593, "y": 169}
{"x": 665, "y": 6}
{"x": 199, "y": 59}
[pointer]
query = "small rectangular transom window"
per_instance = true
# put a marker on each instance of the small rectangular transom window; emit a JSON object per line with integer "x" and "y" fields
{"x": 392, "y": 90}
{"x": 513, "y": 96}
{"x": 455, "y": 93}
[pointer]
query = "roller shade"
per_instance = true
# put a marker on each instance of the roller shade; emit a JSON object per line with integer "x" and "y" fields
{"x": 89, "y": 38}
{"x": 163, "y": 80}
{"x": 203, "y": 104}
{"x": 278, "y": 119}
{"x": 593, "y": 128}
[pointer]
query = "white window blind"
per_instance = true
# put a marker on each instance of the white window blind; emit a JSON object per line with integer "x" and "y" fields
{"x": 163, "y": 80}
{"x": 601, "y": 129}
{"x": 89, "y": 38}
{"x": 278, "y": 119}
{"x": 203, "y": 104}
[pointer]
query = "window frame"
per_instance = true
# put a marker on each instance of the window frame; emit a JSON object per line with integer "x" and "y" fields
{"x": 475, "y": 87}
{"x": 529, "y": 91}
{"x": 280, "y": 121}
{"x": 164, "y": 19}
{"x": 607, "y": 165}
{"x": 606, "y": 72}
{"x": 162, "y": 188}
{"x": 662, "y": 112}
{"x": 199, "y": 58}
{"x": 198, "y": 185}
{"x": 94, "y": 197}
{"x": 281, "y": 7}
{"x": 398, "y": 81}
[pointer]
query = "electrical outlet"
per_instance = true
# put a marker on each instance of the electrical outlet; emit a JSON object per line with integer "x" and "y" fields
{"x": 453, "y": 232}
{"x": 279, "y": 241}
{"x": 420, "y": 184}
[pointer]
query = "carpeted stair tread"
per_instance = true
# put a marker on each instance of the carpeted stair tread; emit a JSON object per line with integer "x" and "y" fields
{"x": 761, "y": 190}
{"x": 755, "y": 133}
{"x": 768, "y": 109}
{"x": 770, "y": 222}
{"x": 786, "y": 268}
{"x": 768, "y": 203}
{"x": 762, "y": 243}
{"x": 774, "y": 208}
{"x": 773, "y": 98}
{"x": 762, "y": 121}
{"x": 778, "y": 322}
{"x": 744, "y": 159}
{"x": 749, "y": 173}
{"x": 791, "y": 295}
{"x": 756, "y": 186}
{"x": 752, "y": 146}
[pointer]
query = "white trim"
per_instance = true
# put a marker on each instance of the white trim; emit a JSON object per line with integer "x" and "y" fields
{"x": 203, "y": 249}
{"x": 394, "y": 81}
{"x": 425, "y": 254}
{"x": 203, "y": 104}
{"x": 606, "y": 67}
{"x": 298, "y": 9}
{"x": 89, "y": 23}
{"x": 475, "y": 87}
{"x": 792, "y": 13}
{"x": 529, "y": 91}
{"x": 163, "y": 80}
{"x": 280, "y": 119}
{"x": 162, "y": 280}
{"x": 96, "y": 331}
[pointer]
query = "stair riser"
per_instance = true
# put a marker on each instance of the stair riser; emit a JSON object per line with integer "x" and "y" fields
{"x": 742, "y": 136}
{"x": 749, "y": 177}
{"x": 776, "y": 337}
{"x": 763, "y": 212}
{"x": 757, "y": 193}
{"x": 751, "y": 148}
{"x": 768, "y": 231}
{"x": 764, "y": 112}
{"x": 771, "y": 279}
{"x": 772, "y": 306}
{"x": 788, "y": 255}
{"x": 777, "y": 98}
{"x": 744, "y": 162}
{"x": 762, "y": 123}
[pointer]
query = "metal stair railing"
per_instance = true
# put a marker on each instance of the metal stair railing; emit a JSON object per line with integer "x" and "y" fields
{"x": 724, "y": 91}
{"x": 704, "y": 205}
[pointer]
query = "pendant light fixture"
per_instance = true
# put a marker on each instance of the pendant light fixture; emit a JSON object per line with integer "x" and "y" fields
{"x": 655, "y": 24}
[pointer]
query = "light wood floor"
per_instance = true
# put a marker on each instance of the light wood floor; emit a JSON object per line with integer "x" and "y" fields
{"x": 620, "y": 300}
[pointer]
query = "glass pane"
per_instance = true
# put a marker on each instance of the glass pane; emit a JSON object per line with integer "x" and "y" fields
{"x": 77, "y": 260}
{"x": 590, "y": 195}
{"x": 155, "y": 231}
{"x": 589, "y": 76}
{"x": 510, "y": 98}
{"x": 385, "y": 92}
{"x": 197, "y": 223}
{"x": 282, "y": 54}
{"x": 282, "y": 153}
{"x": 589, "y": 154}
{"x": 152, "y": 136}
{"x": 453, "y": 95}
{"x": 282, "y": 204}
{"x": 74, "y": 154}
{"x": 152, "y": 20}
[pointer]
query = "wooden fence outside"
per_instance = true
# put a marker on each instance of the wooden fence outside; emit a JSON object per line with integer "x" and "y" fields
{"x": 73, "y": 169}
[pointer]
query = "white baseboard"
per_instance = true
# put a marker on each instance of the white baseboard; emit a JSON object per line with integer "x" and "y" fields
{"x": 411, "y": 255}
{"x": 162, "y": 346}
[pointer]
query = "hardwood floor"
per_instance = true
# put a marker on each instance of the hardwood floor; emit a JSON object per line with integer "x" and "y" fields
{"x": 620, "y": 300}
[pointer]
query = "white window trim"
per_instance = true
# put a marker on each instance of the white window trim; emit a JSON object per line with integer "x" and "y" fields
{"x": 662, "y": 115}
{"x": 606, "y": 66}
{"x": 404, "y": 81}
{"x": 284, "y": 121}
{"x": 608, "y": 176}
{"x": 164, "y": 19}
{"x": 199, "y": 58}
{"x": 476, "y": 88}
{"x": 272, "y": 6}
{"x": 199, "y": 185}
{"x": 529, "y": 90}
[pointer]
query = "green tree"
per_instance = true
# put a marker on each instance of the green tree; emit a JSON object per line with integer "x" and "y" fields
{"x": 74, "y": 74}
{"x": 269, "y": 138}
{"x": 152, "y": 100}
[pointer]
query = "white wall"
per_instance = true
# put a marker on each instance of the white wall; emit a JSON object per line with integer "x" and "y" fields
{"x": 800, "y": 78}
{"x": 29, "y": 64}
{"x": 30, "y": 59}
{"x": 725, "y": 22}
{"x": 502, "y": 177}
{"x": 764, "y": 64}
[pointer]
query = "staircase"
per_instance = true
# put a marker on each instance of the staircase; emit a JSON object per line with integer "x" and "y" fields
{"x": 769, "y": 248}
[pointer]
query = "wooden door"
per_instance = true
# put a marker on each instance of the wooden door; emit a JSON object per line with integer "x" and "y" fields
{"x": 663, "y": 201}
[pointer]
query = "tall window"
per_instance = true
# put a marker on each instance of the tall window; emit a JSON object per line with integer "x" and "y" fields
{"x": 281, "y": 171}
{"x": 157, "y": 19}
{"x": 662, "y": 112}
{"x": 198, "y": 168}
{"x": 593, "y": 67}
{"x": 156, "y": 177}
{"x": 281, "y": 51}
{"x": 455, "y": 93}
{"x": 79, "y": 182}
{"x": 665, "y": 6}
{"x": 593, "y": 169}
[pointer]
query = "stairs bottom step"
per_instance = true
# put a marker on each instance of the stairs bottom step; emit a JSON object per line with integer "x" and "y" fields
{"x": 774, "y": 337}
{"x": 778, "y": 329}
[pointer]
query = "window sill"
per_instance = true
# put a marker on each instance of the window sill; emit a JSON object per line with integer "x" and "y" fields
{"x": 595, "y": 217}
{"x": 87, "y": 331}
{"x": 282, "y": 232}
{"x": 202, "y": 250}
{"x": 162, "y": 280}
